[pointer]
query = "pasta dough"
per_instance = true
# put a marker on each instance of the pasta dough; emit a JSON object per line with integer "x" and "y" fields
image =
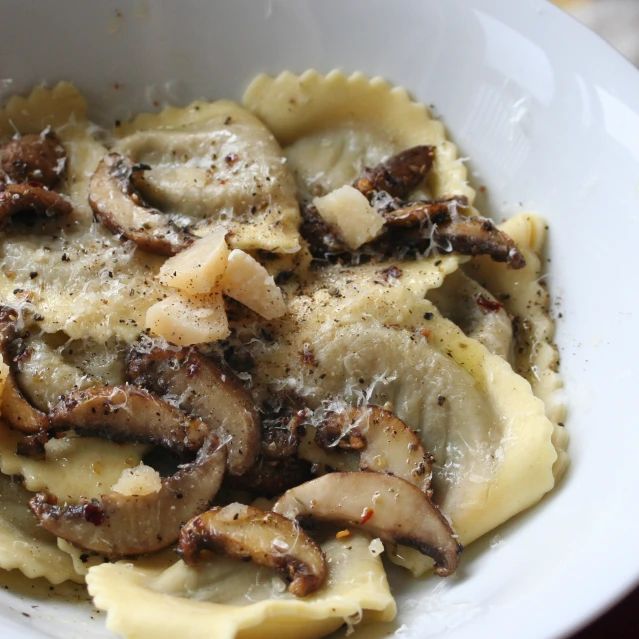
{"x": 217, "y": 165}
{"x": 241, "y": 600}
{"x": 74, "y": 466}
{"x": 330, "y": 126}
{"x": 526, "y": 298}
{"x": 465, "y": 303}
{"x": 24, "y": 545}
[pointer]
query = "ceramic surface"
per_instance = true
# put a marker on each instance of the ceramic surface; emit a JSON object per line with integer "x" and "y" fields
{"x": 549, "y": 117}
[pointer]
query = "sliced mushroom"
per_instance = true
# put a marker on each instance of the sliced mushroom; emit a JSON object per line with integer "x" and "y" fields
{"x": 388, "y": 507}
{"x": 399, "y": 175}
{"x": 128, "y": 414}
{"x": 283, "y": 415}
{"x": 479, "y": 236}
{"x": 205, "y": 389}
{"x": 119, "y": 206}
{"x": 266, "y": 538}
{"x": 418, "y": 214}
{"x": 15, "y": 198}
{"x": 321, "y": 236}
{"x": 271, "y": 477}
{"x": 420, "y": 223}
{"x": 33, "y": 157}
{"x": 385, "y": 444}
{"x": 15, "y": 408}
{"x": 119, "y": 525}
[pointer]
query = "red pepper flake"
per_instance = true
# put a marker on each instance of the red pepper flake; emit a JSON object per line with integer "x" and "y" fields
{"x": 367, "y": 513}
{"x": 93, "y": 514}
{"x": 482, "y": 188}
{"x": 425, "y": 332}
{"x": 489, "y": 305}
{"x": 307, "y": 355}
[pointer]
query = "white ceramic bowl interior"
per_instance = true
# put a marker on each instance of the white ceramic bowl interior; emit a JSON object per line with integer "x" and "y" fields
{"x": 549, "y": 116}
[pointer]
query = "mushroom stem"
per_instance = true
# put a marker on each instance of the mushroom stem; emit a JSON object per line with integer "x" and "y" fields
{"x": 15, "y": 408}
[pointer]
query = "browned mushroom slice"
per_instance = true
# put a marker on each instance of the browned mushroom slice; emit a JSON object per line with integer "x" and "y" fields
{"x": 271, "y": 477}
{"x": 479, "y": 236}
{"x": 204, "y": 389}
{"x": 388, "y": 507}
{"x": 383, "y": 441}
{"x": 451, "y": 231}
{"x": 283, "y": 415}
{"x": 266, "y": 538}
{"x": 15, "y": 198}
{"x": 399, "y": 175}
{"x": 16, "y": 410}
{"x": 418, "y": 214}
{"x": 127, "y": 413}
{"x": 119, "y": 525}
{"x": 119, "y": 206}
{"x": 321, "y": 236}
{"x": 33, "y": 158}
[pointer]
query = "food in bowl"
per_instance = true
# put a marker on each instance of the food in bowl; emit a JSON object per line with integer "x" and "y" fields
{"x": 289, "y": 309}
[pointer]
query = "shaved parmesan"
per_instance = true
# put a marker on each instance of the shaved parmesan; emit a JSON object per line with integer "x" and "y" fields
{"x": 349, "y": 210}
{"x": 197, "y": 269}
{"x": 248, "y": 282}
{"x": 140, "y": 480}
{"x": 189, "y": 319}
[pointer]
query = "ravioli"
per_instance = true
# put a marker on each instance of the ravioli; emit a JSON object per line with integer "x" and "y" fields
{"x": 217, "y": 165}
{"x": 526, "y": 298}
{"x": 74, "y": 466}
{"x": 82, "y": 279}
{"x": 241, "y": 600}
{"x": 332, "y": 125}
{"x": 479, "y": 315}
{"x": 24, "y": 545}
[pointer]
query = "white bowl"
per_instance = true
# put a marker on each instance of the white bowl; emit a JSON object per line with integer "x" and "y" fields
{"x": 549, "y": 115}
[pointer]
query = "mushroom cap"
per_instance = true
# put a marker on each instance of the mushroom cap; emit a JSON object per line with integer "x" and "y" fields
{"x": 388, "y": 507}
{"x": 265, "y": 538}
{"x": 120, "y": 525}
{"x": 15, "y": 407}
{"x": 205, "y": 389}
{"x": 34, "y": 157}
{"x": 15, "y": 198}
{"x": 117, "y": 204}
{"x": 398, "y": 175}
{"x": 384, "y": 443}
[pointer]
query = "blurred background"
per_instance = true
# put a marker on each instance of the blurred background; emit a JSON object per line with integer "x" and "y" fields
{"x": 617, "y": 21}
